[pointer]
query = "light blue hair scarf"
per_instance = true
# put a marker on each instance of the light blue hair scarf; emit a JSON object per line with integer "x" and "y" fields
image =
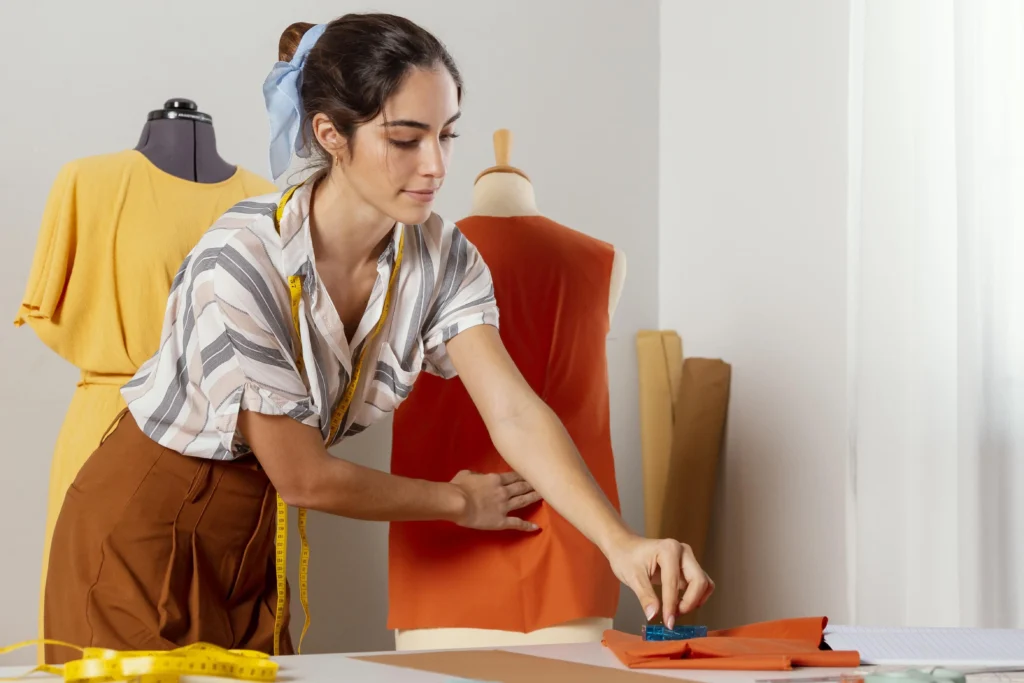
{"x": 284, "y": 105}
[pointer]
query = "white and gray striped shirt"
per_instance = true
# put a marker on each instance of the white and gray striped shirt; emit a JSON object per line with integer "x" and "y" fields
{"x": 228, "y": 340}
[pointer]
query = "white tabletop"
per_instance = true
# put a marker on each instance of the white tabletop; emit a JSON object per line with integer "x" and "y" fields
{"x": 331, "y": 668}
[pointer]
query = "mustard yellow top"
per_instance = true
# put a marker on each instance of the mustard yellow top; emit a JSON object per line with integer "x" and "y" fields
{"x": 114, "y": 232}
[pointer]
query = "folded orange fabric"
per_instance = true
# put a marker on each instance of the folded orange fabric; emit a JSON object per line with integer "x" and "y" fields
{"x": 766, "y": 646}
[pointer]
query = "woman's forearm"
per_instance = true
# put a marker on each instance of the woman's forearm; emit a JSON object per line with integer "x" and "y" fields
{"x": 531, "y": 438}
{"x": 343, "y": 488}
{"x": 535, "y": 444}
{"x": 306, "y": 475}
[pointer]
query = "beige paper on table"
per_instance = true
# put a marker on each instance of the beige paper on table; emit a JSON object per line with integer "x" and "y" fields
{"x": 498, "y": 666}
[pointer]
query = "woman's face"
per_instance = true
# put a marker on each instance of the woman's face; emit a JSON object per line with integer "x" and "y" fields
{"x": 399, "y": 160}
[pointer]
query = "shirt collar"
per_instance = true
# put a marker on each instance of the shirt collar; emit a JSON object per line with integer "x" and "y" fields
{"x": 295, "y": 219}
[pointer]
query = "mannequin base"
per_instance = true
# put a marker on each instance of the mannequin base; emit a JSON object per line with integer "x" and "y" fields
{"x": 577, "y": 631}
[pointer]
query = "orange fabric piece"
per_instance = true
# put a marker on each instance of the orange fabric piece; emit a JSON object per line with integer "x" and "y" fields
{"x": 765, "y": 646}
{"x": 552, "y": 287}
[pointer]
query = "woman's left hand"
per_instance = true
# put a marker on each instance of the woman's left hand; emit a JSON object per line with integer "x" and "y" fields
{"x": 642, "y": 562}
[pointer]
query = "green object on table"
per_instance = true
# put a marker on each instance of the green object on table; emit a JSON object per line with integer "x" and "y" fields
{"x": 919, "y": 675}
{"x": 933, "y": 675}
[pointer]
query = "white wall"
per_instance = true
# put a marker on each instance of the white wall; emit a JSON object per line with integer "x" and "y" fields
{"x": 752, "y": 270}
{"x": 576, "y": 81}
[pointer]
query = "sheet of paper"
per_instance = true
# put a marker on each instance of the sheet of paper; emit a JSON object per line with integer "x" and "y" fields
{"x": 960, "y": 647}
{"x": 499, "y": 666}
{"x": 1005, "y": 677}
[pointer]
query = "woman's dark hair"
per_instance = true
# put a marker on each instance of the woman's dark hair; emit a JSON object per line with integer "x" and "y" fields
{"x": 358, "y": 63}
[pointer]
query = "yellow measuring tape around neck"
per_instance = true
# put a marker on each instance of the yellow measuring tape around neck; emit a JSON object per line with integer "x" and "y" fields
{"x": 100, "y": 665}
{"x": 337, "y": 419}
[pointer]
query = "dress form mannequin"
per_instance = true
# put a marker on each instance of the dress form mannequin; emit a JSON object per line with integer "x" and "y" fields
{"x": 179, "y": 140}
{"x": 115, "y": 230}
{"x": 505, "y": 191}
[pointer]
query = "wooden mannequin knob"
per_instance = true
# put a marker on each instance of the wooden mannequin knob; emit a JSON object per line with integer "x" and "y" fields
{"x": 502, "y": 154}
{"x": 502, "y": 146}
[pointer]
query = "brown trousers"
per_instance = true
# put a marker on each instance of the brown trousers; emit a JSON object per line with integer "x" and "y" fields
{"x": 154, "y": 550}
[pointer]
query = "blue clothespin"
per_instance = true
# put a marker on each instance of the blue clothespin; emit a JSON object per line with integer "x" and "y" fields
{"x": 659, "y": 632}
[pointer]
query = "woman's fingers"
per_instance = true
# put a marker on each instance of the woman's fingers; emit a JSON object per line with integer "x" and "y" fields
{"x": 510, "y": 477}
{"x": 521, "y": 501}
{"x": 640, "y": 584}
{"x": 518, "y": 488}
{"x": 708, "y": 590}
{"x": 520, "y": 492}
{"x": 669, "y": 560}
{"x": 519, "y": 524}
{"x": 707, "y": 593}
{"x": 698, "y": 583}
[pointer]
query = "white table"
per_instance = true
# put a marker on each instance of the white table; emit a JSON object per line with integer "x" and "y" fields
{"x": 332, "y": 668}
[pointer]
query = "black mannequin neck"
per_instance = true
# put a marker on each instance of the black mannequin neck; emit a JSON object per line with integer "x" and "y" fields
{"x": 186, "y": 149}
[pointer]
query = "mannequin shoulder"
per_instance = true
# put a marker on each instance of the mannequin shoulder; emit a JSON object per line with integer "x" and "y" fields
{"x": 617, "y": 281}
{"x": 618, "y": 266}
{"x": 255, "y": 185}
{"x": 101, "y": 169}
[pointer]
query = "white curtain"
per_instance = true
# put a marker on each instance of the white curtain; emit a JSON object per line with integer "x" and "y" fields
{"x": 936, "y": 313}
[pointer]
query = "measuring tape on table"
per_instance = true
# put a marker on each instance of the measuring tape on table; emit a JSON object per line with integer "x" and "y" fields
{"x": 101, "y": 665}
{"x": 337, "y": 419}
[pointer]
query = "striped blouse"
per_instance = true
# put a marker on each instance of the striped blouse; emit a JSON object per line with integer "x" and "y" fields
{"x": 228, "y": 340}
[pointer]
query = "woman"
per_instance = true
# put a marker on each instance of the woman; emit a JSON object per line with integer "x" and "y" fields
{"x": 301, "y": 318}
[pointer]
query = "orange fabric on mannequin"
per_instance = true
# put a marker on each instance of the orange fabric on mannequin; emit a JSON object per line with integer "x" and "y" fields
{"x": 552, "y": 288}
{"x": 766, "y": 646}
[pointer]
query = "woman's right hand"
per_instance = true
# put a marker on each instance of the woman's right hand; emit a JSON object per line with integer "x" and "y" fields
{"x": 490, "y": 497}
